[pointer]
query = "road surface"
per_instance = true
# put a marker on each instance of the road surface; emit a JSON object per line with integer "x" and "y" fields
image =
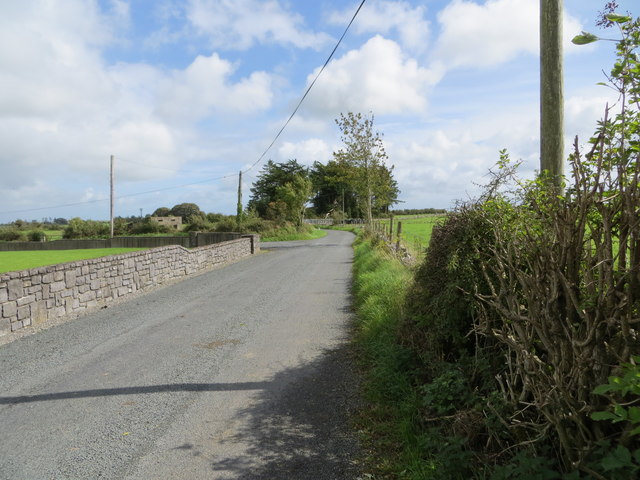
{"x": 239, "y": 373}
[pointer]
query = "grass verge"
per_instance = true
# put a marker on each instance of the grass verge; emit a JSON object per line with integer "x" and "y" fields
{"x": 287, "y": 235}
{"x": 396, "y": 449}
{"x": 23, "y": 260}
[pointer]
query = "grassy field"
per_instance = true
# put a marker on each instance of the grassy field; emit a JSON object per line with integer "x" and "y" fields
{"x": 12, "y": 261}
{"x": 53, "y": 234}
{"x": 416, "y": 230}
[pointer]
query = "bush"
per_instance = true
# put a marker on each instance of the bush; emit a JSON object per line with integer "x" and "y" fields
{"x": 12, "y": 234}
{"x": 36, "y": 236}
{"x": 149, "y": 226}
{"x": 78, "y": 228}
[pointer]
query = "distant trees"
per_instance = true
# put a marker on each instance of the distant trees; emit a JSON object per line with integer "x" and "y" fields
{"x": 161, "y": 212}
{"x": 281, "y": 191}
{"x": 333, "y": 194}
{"x": 186, "y": 210}
{"x": 355, "y": 183}
{"x": 362, "y": 159}
{"x": 78, "y": 228}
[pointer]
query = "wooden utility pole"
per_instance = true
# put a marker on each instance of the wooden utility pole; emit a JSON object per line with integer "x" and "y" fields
{"x": 551, "y": 90}
{"x": 112, "y": 189}
{"x": 239, "y": 207}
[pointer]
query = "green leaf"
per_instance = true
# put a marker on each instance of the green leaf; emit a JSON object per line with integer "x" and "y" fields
{"x": 584, "y": 38}
{"x": 603, "y": 416}
{"x": 619, "y": 458}
{"x": 614, "y": 17}
{"x": 634, "y": 414}
{"x": 633, "y": 432}
{"x": 602, "y": 389}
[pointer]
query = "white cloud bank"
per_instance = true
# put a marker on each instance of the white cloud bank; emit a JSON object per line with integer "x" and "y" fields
{"x": 484, "y": 35}
{"x": 242, "y": 23}
{"x": 377, "y": 77}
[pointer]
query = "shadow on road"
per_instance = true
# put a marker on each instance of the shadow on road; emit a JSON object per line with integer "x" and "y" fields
{"x": 300, "y": 426}
{"x": 107, "y": 392}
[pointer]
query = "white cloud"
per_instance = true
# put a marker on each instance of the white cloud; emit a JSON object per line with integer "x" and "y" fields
{"x": 492, "y": 33}
{"x": 377, "y": 78}
{"x": 306, "y": 152}
{"x": 242, "y": 23}
{"x": 384, "y": 16}
{"x": 204, "y": 87}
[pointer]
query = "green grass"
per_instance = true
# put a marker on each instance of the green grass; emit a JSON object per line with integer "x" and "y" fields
{"x": 395, "y": 446}
{"x": 416, "y": 230}
{"x": 287, "y": 235}
{"x": 53, "y": 234}
{"x": 23, "y": 260}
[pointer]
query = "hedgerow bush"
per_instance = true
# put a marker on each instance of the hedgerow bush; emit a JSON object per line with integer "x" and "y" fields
{"x": 12, "y": 234}
{"x": 525, "y": 312}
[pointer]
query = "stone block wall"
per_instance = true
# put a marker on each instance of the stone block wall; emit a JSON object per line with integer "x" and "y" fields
{"x": 38, "y": 295}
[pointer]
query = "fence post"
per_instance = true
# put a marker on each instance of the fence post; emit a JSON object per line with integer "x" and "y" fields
{"x": 399, "y": 232}
{"x": 391, "y": 226}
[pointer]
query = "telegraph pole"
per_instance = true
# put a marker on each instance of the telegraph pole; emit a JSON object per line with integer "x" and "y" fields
{"x": 551, "y": 90}
{"x": 111, "y": 182}
{"x": 239, "y": 207}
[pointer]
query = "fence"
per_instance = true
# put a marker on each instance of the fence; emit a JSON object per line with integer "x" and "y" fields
{"x": 195, "y": 239}
{"x": 331, "y": 221}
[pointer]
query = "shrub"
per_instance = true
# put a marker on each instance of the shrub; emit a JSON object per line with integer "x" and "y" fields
{"x": 12, "y": 235}
{"x": 149, "y": 226}
{"x": 78, "y": 228}
{"x": 36, "y": 236}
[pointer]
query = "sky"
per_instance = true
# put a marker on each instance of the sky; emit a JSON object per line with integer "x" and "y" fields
{"x": 186, "y": 93}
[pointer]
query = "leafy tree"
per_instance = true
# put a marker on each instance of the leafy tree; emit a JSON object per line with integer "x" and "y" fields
{"x": 332, "y": 190}
{"x": 273, "y": 176}
{"x": 295, "y": 195}
{"x": 363, "y": 158}
{"x": 162, "y": 212}
{"x": 186, "y": 210}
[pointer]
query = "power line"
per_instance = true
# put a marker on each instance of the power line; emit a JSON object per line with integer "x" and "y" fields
{"x": 218, "y": 178}
{"x": 87, "y": 202}
{"x": 308, "y": 90}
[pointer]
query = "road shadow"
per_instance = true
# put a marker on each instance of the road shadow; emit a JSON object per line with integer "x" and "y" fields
{"x": 108, "y": 392}
{"x": 300, "y": 427}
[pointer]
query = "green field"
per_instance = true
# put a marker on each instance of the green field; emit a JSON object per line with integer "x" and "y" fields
{"x": 23, "y": 260}
{"x": 416, "y": 230}
{"x": 53, "y": 234}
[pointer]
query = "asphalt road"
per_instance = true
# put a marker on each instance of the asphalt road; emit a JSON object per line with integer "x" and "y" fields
{"x": 240, "y": 373}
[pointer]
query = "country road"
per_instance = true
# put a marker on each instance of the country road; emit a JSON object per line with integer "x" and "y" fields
{"x": 240, "y": 373}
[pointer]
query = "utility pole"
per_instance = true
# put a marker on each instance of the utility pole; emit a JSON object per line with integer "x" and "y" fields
{"x": 551, "y": 90}
{"x": 239, "y": 207}
{"x": 111, "y": 182}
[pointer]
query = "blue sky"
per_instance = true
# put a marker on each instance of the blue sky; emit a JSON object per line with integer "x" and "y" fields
{"x": 186, "y": 93}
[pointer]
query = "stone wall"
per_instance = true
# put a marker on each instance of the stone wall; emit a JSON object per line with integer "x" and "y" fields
{"x": 39, "y": 295}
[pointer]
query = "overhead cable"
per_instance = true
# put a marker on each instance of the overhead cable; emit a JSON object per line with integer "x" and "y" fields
{"x": 307, "y": 91}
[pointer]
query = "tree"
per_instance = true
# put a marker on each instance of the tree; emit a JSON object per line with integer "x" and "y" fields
{"x": 186, "y": 210}
{"x": 295, "y": 195}
{"x": 273, "y": 176}
{"x": 161, "y": 212}
{"x": 332, "y": 191}
{"x": 363, "y": 158}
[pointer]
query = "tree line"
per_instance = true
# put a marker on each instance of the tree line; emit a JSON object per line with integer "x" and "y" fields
{"x": 356, "y": 182}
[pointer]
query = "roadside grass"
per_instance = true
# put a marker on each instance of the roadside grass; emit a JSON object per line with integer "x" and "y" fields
{"x": 287, "y": 235}
{"x": 23, "y": 260}
{"x": 395, "y": 447}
